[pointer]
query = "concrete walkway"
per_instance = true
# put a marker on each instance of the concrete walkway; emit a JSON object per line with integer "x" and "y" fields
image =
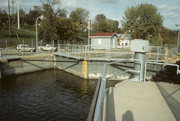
{"x": 133, "y": 101}
{"x": 171, "y": 94}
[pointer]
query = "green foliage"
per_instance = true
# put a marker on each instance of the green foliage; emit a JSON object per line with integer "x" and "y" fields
{"x": 143, "y": 22}
{"x": 67, "y": 29}
{"x": 3, "y": 18}
{"x": 48, "y": 30}
{"x": 112, "y": 25}
{"x": 102, "y": 24}
{"x": 168, "y": 36}
{"x": 79, "y": 17}
{"x": 32, "y": 16}
{"x": 61, "y": 13}
{"x": 22, "y": 33}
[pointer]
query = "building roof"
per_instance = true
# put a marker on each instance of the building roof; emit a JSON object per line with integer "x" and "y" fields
{"x": 102, "y": 34}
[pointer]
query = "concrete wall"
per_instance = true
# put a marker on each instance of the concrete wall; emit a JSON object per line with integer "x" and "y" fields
{"x": 94, "y": 69}
{"x": 73, "y": 66}
{"x": 82, "y": 68}
{"x": 20, "y": 66}
{"x": 88, "y": 69}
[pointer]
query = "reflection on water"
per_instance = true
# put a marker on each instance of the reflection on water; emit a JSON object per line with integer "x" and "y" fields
{"x": 45, "y": 96}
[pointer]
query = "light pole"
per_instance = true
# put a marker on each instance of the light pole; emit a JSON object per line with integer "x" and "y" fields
{"x": 178, "y": 42}
{"x": 89, "y": 31}
{"x": 40, "y": 17}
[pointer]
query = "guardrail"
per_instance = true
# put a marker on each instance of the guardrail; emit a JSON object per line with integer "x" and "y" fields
{"x": 164, "y": 64}
{"x": 89, "y": 51}
{"x": 97, "y": 106}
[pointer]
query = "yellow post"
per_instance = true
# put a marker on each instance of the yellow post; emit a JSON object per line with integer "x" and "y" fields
{"x": 85, "y": 69}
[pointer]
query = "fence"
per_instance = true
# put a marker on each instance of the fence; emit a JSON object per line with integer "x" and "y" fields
{"x": 86, "y": 51}
{"x": 13, "y": 44}
{"x": 8, "y": 48}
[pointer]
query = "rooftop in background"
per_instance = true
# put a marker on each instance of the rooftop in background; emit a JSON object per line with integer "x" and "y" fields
{"x": 103, "y": 34}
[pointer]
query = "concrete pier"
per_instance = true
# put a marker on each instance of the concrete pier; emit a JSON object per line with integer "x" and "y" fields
{"x": 22, "y": 65}
{"x": 132, "y": 101}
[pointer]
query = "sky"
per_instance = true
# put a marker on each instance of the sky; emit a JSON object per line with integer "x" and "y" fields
{"x": 112, "y": 9}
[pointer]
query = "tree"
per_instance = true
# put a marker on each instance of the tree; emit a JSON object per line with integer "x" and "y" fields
{"x": 79, "y": 17}
{"x": 50, "y": 2}
{"x": 100, "y": 24}
{"x": 168, "y": 36}
{"x": 33, "y": 14}
{"x": 103, "y": 24}
{"x": 143, "y": 22}
{"x": 61, "y": 13}
{"x": 22, "y": 15}
{"x": 48, "y": 29}
{"x": 112, "y": 25}
{"x": 67, "y": 30}
{"x": 3, "y": 18}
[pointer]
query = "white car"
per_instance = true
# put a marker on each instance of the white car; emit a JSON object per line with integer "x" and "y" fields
{"x": 48, "y": 47}
{"x": 24, "y": 48}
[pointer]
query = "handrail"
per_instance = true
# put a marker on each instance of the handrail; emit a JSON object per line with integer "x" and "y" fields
{"x": 96, "y": 110}
{"x": 93, "y": 104}
{"x": 161, "y": 63}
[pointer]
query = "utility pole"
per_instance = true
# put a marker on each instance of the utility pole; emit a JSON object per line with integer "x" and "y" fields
{"x": 178, "y": 41}
{"x": 9, "y": 18}
{"x": 18, "y": 15}
{"x": 89, "y": 31}
{"x": 13, "y": 11}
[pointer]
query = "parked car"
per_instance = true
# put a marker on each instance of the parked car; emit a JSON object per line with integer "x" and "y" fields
{"x": 48, "y": 47}
{"x": 23, "y": 47}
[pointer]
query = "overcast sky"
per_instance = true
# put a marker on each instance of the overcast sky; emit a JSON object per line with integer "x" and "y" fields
{"x": 113, "y": 9}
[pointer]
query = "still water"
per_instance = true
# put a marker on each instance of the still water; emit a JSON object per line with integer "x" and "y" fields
{"x": 49, "y": 95}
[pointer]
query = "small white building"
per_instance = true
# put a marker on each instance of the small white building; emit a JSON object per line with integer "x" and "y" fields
{"x": 124, "y": 40}
{"x": 104, "y": 40}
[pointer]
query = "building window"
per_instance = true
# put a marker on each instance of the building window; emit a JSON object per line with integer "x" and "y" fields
{"x": 122, "y": 44}
{"x": 99, "y": 41}
{"x": 126, "y": 44}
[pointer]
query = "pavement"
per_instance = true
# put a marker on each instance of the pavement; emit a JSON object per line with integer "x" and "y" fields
{"x": 171, "y": 94}
{"x": 134, "y": 101}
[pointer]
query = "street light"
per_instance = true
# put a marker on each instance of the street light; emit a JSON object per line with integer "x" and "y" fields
{"x": 41, "y": 18}
{"x": 89, "y": 31}
{"x": 178, "y": 43}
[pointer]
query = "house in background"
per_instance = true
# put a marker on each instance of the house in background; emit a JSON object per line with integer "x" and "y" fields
{"x": 124, "y": 40}
{"x": 104, "y": 40}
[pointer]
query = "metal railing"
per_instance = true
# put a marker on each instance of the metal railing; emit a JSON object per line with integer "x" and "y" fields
{"x": 97, "y": 106}
{"x": 89, "y": 51}
{"x": 160, "y": 63}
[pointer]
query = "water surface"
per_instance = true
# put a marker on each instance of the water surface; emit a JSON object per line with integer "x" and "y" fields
{"x": 49, "y": 95}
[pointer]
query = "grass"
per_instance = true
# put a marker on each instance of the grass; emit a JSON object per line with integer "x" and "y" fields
{"x": 17, "y": 37}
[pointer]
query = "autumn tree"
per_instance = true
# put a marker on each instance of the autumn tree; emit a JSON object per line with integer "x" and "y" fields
{"x": 143, "y": 22}
{"x": 168, "y": 36}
